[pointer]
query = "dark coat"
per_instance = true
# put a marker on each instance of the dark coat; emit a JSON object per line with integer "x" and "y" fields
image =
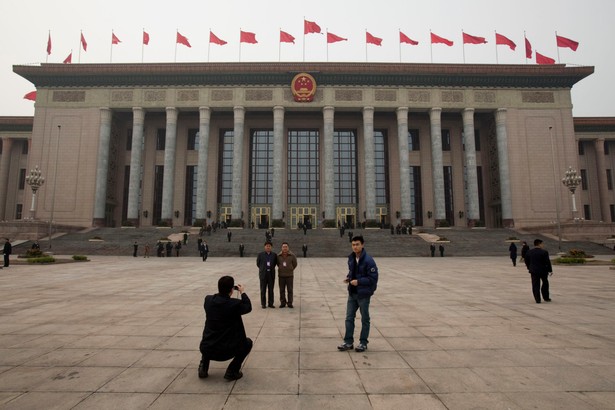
{"x": 261, "y": 262}
{"x": 224, "y": 333}
{"x": 537, "y": 261}
{"x": 8, "y": 248}
{"x": 513, "y": 250}
{"x": 366, "y": 273}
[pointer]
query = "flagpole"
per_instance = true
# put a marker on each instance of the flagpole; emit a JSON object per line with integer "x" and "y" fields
{"x": 175, "y": 58}
{"x": 303, "y": 39}
{"x": 142, "y": 44}
{"x": 366, "y": 45}
{"x": 327, "y": 31}
{"x": 111, "y": 52}
{"x": 430, "y": 47}
{"x": 80, "y": 45}
{"x": 496, "y": 48}
{"x": 280, "y": 47}
{"x": 463, "y": 47}
{"x": 525, "y": 45}
{"x": 240, "y": 44}
{"x": 556, "y": 47}
{"x": 209, "y": 45}
{"x": 46, "y": 51}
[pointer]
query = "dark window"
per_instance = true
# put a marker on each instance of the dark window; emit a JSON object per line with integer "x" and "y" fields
{"x": 190, "y": 198}
{"x": 125, "y": 192}
{"x": 1, "y": 143}
{"x": 161, "y": 137}
{"x": 193, "y": 139}
{"x": 25, "y": 147}
{"x": 612, "y": 209}
{"x": 446, "y": 140}
{"x": 609, "y": 179}
{"x": 22, "y": 178}
{"x": 381, "y": 168}
{"x": 225, "y": 190}
{"x": 416, "y": 196}
{"x": 303, "y": 167}
{"x": 448, "y": 195}
{"x": 261, "y": 167}
{"x": 19, "y": 211}
{"x": 606, "y": 148}
{"x": 414, "y": 143}
{"x": 586, "y": 212}
{"x": 129, "y": 139}
{"x": 158, "y": 180}
{"x": 481, "y": 197}
{"x": 476, "y": 140}
{"x": 345, "y": 166}
{"x": 584, "y": 179}
{"x": 581, "y": 146}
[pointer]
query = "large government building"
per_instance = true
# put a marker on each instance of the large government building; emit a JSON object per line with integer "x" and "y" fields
{"x": 321, "y": 144}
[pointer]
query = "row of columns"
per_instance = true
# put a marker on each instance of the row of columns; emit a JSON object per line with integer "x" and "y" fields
{"x": 278, "y": 139}
{"x": 5, "y": 161}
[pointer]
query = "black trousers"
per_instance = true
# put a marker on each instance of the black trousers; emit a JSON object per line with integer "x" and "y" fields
{"x": 537, "y": 290}
{"x": 286, "y": 284}
{"x": 267, "y": 280}
{"x": 238, "y": 358}
{"x": 6, "y": 260}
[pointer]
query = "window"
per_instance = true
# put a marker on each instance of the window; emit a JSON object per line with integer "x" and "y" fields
{"x": 190, "y": 196}
{"x": 606, "y": 148}
{"x": 413, "y": 140}
{"x": 193, "y": 139}
{"x": 586, "y": 213}
{"x": 584, "y": 179}
{"x": 129, "y": 140}
{"x": 25, "y": 147}
{"x": 22, "y": 178}
{"x": 19, "y": 211}
{"x": 225, "y": 190}
{"x": 609, "y": 179}
{"x": 261, "y": 166}
{"x": 416, "y": 196}
{"x": 446, "y": 140}
{"x": 448, "y": 195}
{"x": 303, "y": 167}
{"x": 381, "y": 169}
{"x": 345, "y": 166}
{"x": 581, "y": 148}
{"x": 476, "y": 140}
{"x": 161, "y": 135}
{"x": 612, "y": 210}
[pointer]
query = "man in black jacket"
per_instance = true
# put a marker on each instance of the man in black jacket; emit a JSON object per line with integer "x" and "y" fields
{"x": 266, "y": 262}
{"x": 7, "y": 250}
{"x": 538, "y": 263}
{"x": 224, "y": 336}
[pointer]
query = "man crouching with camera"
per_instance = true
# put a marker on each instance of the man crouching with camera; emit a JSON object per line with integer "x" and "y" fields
{"x": 224, "y": 336}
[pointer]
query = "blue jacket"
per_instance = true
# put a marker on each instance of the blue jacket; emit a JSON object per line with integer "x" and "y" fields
{"x": 366, "y": 274}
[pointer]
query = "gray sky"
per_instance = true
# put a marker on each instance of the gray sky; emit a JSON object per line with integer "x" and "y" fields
{"x": 26, "y": 24}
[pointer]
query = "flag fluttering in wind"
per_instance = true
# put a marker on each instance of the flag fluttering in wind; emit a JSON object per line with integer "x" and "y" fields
{"x": 247, "y": 37}
{"x": 310, "y": 27}
{"x": 286, "y": 38}
{"x": 504, "y": 41}
{"x": 435, "y": 39}
{"x": 115, "y": 39}
{"x": 468, "y": 39}
{"x": 30, "y": 96}
{"x": 528, "y": 49}
{"x": 332, "y": 38}
{"x": 540, "y": 59}
{"x": 49, "y": 44}
{"x": 182, "y": 40}
{"x": 566, "y": 42}
{"x": 405, "y": 39}
{"x": 84, "y": 43}
{"x": 369, "y": 39}
{"x": 145, "y": 38}
{"x": 69, "y": 59}
{"x": 215, "y": 39}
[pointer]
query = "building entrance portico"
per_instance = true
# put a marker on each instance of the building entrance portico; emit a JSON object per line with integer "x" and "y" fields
{"x": 303, "y": 216}
{"x": 347, "y": 216}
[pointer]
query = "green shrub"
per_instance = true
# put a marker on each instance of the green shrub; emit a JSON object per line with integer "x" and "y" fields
{"x": 329, "y": 223}
{"x": 442, "y": 223}
{"x": 42, "y": 259}
{"x": 571, "y": 261}
{"x": 278, "y": 223}
{"x": 80, "y": 258}
{"x": 372, "y": 223}
{"x": 34, "y": 253}
{"x": 576, "y": 253}
{"x": 236, "y": 223}
{"x": 199, "y": 222}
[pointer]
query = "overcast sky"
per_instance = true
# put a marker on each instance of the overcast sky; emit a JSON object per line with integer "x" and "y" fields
{"x": 26, "y": 25}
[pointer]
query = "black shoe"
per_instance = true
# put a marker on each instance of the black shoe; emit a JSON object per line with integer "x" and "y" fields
{"x": 203, "y": 370}
{"x": 361, "y": 348}
{"x": 290, "y": 306}
{"x": 345, "y": 346}
{"x": 272, "y": 307}
{"x": 282, "y": 306}
{"x": 537, "y": 301}
{"x": 233, "y": 376}
{"x": 264, "y": 307}
{"x": 547, "y": 300}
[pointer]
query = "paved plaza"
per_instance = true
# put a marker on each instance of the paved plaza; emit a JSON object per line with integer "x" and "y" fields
{"x": 447, "y": 333}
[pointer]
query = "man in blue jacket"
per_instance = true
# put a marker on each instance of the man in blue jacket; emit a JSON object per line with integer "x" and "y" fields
{"x": 362, "y": 281}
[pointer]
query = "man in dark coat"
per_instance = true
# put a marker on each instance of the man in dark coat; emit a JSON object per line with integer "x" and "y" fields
{"x": 266, "y": 262}
{"x": 513, "y": 253}
{"x": 7, "y": 250}
{"x": 538, "y": 263}
{"x": 224, "y": 336}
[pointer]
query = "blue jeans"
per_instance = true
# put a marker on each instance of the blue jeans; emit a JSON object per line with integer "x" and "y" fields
{"x": 353, "y": 304}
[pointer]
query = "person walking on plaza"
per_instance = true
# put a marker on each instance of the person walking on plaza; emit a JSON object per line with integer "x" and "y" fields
{"x": 224, "y": 336}
{"x": 135, "y": 248}
{"x": 432, "y": 250}
{"x": 146, "y": 251}
{"x": 513, "y": 253}
{"x": 241, "y": 249}
{"x": 204, "y": 250}
{"x": 169, "y": 248}
{"x": 266, "y": 262}
{"x": 441, "y": 249}
{"x": 524, "y": 250}
{"x": 362, "y": 280}
{"x": 229, "y": 234}
{"x": 178, "y": 246}
{"x": 304, "y": 248}
{"x": 287, "y": 262}
{"x": 7, "y": 250}
{"x": 539, "y": 265}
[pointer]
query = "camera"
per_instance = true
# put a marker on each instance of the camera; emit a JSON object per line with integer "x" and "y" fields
{"x": 236, "y": 287}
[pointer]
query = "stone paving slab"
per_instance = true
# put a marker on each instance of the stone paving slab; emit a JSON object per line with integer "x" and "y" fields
{"x": 447, "y": 333}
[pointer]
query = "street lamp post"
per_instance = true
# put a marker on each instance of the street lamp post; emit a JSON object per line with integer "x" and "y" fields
{"x": 571, "y": 181}
{"x": 55, "y": 183}
{"x": 559, "y": 227}
{"x": 35, "y": 180}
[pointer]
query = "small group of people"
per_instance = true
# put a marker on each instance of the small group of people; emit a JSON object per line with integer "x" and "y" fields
{"x": 203, "y": 248}
{"x": 432, "y": 250}
{"x": 224, "y": 335}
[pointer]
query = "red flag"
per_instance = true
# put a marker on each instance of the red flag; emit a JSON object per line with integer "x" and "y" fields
{"x": 68, "y": 59}
{"x": 505, "y": 41}
{"x": 332, "y": 38}
{"x": 468, "y": 39}
{"x": 372, "y": 40}
{"x": 528, "y": 49}
{"x": 145, "y": 38}
{"x": 405, "y": 39}
{"x": 310, "y": 27}
{"x": 437, "y": 39}
{"x": 182, "y": 40}
{"x": 30, "y": 96}
{"x": 49, "y": 44}
{"x": 215, "y": 39}
{"x": 247, "y": 37}
{"x": 540, "y": 59}
{"x": 114, "y": 39}
{"x": 566, "y": 42}
{"x": 286, "y": 38}
{"x": 84, "y": 43}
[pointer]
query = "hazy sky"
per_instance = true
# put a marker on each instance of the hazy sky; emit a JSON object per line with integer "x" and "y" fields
{"x": 26, "y": 25}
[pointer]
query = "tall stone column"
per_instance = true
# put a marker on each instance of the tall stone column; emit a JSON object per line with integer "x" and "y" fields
{"x": 201, "y": 179}
{"x": 603, "y": 188}
{"x": 239, "y": 123}
{"x": 437, "y": 172}
{"x": 168, "y": 178}
{"x": 102, "y": 167}
{"x": 328, "y": 113}
{"x": 473, "y": 211}
{"x": 136, "y": 155}
{"x": 278, "y": 142}
{"x": 502, "y": 144}
{"x": 5, "y": 162}
{"x": 404, "y": 163}
{"x": 369, "y": 166}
